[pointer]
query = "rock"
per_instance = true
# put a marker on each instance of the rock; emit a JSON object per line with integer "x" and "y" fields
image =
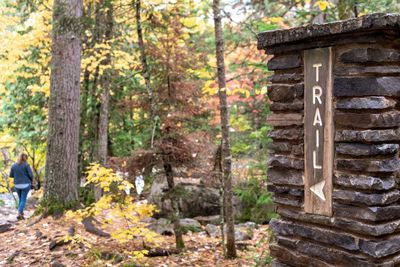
{"x": 162, "y": 226}
{"x": 359, "y": 181}
{"x": 190, "y": 225}
{"x": 285, "y": 77}
{"x": 389, "y": 135}
{"x": 286, "y": 119}
{"x": 341, "y": 223}
{"x": 373, "y": 214}
{"x": 289, "y": 61}
{"x": 285, "y": 177}
{"x": 287, "y": 134}
{"x": 213, "y": 230}
{"x": 285, "y": 190}
{"x": 197, "y": 200}
{"x": 57, "y": 264}
{"x": 371, "y": 199}
{"x": 366, "y": 150}
{"x": 367, "y": 86}
{"x": 384, "y": 165}
{"x": 285, "y": 228}
{"x": 290, "y": 256}
{"x": 372, "y": 102}
{"x": 204, "y": 220}
{"x": 270, "y": 40}
{"x": 251, "y": 225}
{"x": 285, "y": 162}
{"x": 286, "y": 201}
{"x": 370, "y": 55}
{"x": 285, "y": 147}
{"x": 331, "y": 255}
{"x": 368, "y": 120}
{"x": 5, "y": 227}
{"x": 243, "y": 234}
{"x": 296, "y": 105}
{"x": 374, "y": 70}
{"x": 285, "y": 92}
{"x": 381, "y": 248}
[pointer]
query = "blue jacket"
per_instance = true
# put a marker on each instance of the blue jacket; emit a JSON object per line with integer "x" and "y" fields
{"x": 21, "y": 173}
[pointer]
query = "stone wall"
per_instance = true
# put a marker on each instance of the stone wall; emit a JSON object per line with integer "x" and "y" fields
{"x": 365, "y": 227}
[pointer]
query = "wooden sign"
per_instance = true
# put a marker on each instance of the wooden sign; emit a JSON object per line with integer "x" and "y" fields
{"x": 318, "y": 131}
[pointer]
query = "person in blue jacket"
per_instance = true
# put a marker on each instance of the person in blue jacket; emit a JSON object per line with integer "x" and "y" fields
{"x": 23, "y": 176}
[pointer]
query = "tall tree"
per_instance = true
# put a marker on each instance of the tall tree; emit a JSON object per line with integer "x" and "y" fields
{"x": 226, "y": 150}
{"x": 145, "y": 69}
{"x": 61, "y": 184}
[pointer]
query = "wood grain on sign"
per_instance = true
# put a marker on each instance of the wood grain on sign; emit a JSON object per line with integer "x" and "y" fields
{"x": 318, "y": 131}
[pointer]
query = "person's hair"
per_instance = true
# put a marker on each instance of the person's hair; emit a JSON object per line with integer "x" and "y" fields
{"x": 22, "y": 158}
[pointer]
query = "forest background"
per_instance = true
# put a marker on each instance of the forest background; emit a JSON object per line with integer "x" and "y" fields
{"x": 130, "y": 104}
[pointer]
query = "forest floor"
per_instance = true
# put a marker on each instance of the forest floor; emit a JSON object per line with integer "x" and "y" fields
{"x": 26, "y": 245}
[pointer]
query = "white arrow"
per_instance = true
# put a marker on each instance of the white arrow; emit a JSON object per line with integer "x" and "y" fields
{"x": 318, "y": 189}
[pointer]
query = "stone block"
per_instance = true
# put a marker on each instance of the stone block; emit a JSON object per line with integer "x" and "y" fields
{"x": 285, "y": 92}
{"x": 368, "y": 120}
{"x": 356, "y": 149}
{"x": 287, "y": 134}
{"x": 371, "y": 102}
{"x": 370, "y": 55}
{"x": 296, "y": 105}
{"x": 285, "y": 119}
{"x": 287, "y": 200}
{"x": 285, "y": 228}
{"x": 366, "y": 182}
{"x": 370, "y": 199}
{"x": 285, "y": 177}
{"x": 369, "y": 136}
{"x": 367, "y": 86}
{"x": 342, "y": 224}
{"x": 286, "y": 77}
{"x": 366, "y": 165}
{"x": 283, "y": 62}
{"x": 373, "y": 214}
{"x": 381, "y": 248}
{"x": 296, "y": 192}
{"x": 285, "y": 162}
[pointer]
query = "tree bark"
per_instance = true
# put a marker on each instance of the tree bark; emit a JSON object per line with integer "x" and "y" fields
{"x": 105, "y": 82}
{"x": 61, "y": 185}
{"x": 226, "y": 150}
{"x": 175, "y": 208}
{"x": 145, "y": 70}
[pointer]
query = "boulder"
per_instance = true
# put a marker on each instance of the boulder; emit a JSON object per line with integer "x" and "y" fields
{"x": 162, "y": 226}
{"x": 196, "y": 200}
{"x": 204, "y": 220}
{"x": 243, "y": 232}
{"x": 188, "y": 224}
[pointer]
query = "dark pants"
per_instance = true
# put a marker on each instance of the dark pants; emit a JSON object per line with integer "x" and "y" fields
{"x": 22, "y": 195}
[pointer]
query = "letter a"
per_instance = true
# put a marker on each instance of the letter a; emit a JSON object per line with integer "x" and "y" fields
{"x": 317, "y": 118}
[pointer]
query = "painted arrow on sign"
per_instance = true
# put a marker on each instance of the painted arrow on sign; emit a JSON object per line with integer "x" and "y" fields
{"x": 318, "y": 189}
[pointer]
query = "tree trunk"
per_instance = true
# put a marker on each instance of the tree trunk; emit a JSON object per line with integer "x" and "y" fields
{"x": 61, "y": 185}
{"x": 226, "y": 150}
{"x": 175, "y": 208}
{"x": 145, "y": 70}
{"x": 105, "y": 82}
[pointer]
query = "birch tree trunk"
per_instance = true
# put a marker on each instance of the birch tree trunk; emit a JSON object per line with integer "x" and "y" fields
{"x": 226, "y": 150}
{"x": 61, "y": 186}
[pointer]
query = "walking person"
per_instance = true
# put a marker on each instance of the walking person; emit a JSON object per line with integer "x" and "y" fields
{"x": 23, "y": 176}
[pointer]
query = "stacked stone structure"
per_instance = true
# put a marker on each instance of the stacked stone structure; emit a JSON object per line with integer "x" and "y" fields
{"x": 364, "y": 229}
